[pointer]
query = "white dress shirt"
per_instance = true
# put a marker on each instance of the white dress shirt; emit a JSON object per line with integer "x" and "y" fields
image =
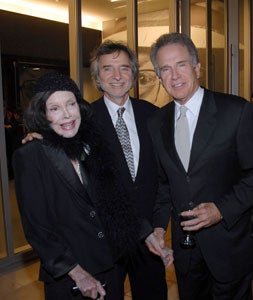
{"x": 129, "y": 119}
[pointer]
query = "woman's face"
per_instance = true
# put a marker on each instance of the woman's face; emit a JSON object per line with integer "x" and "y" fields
{"x": 63, "y": 112}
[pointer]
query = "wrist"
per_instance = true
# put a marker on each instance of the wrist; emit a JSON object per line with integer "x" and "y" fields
{"x": 78, "y": 273}
{"x": 159, "y": 231}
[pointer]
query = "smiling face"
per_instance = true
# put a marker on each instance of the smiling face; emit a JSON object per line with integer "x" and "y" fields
{"x": 63, "y": 112}
{"x": 178, "y": 75}
{"x": 115, "y": 76}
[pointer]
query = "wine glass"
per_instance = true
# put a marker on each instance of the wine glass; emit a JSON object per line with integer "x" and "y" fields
{"x": 188, "y": 240}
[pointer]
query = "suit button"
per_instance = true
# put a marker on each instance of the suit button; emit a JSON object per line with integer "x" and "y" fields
{"x": 92, "y": 214}
{"x": 188, "y": 178}
{"x": 100, "y": 235}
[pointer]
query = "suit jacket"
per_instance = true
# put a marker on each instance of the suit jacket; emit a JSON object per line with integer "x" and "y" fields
{"x": 59, "y": 219}
{"x": 220, "y": 171}
{"x": 143, "y": 190}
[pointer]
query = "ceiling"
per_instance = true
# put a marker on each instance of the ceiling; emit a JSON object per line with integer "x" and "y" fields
{"x": 94, "y": 12}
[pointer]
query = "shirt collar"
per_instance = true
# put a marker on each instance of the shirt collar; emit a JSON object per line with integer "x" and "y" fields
{"x": 113, "y": 107}
{"x": 193, "y": 104}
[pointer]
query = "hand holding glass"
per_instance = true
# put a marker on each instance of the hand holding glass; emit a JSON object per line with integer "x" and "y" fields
{"x": 188, "y": 240}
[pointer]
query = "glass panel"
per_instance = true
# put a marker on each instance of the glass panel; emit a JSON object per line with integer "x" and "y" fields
{"x": 3, "y": 251}
{"x": 13, "y": 127}
{"x": 110, "y": 19}
{"x": 153, "y": 21}
{"x": 19, "y": 239}
{"x": 251, "y": 52}
{"x": 241, "y": 47}
{"x": 3, "y": 248}
{"x": 108, "y": 16}
{"x": 26, "y": 75}
{"x": 244, "y": 49}
{"x": 198, "y": 34}
{"x": 218, "y": 46}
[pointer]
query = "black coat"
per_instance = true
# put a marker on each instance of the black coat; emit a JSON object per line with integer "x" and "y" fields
{"x": 220, "y": 171}
{"x": 59, "y": 218}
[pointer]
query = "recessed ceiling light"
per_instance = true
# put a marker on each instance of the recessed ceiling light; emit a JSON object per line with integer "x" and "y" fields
{"x": 116, "y": 0}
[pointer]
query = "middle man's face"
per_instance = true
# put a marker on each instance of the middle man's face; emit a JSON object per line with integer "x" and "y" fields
{"x": 115, "y": 76}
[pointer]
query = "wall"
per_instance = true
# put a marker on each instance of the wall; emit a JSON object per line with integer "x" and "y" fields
{"x": 22, "y": 35}
{"x": 26, "y": 39}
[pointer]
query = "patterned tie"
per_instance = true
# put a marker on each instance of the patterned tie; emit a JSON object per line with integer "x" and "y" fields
{"x": 182, "y": 137}
{"x": 124, "y": 139}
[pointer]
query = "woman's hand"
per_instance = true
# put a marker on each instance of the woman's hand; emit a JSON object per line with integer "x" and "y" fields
{"x": 167, "y": 256}
{"x": 87, "y": 284}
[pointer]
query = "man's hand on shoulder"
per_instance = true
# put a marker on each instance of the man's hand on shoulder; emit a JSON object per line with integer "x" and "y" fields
{"x": 30, "y": 136}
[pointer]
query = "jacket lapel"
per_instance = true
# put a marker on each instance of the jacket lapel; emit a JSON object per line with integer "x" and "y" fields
{"x": 140, "y": 123}
{"x": 106, "y": 124}
{"x": 110, "y": 135}
{"x": 167, "y": 133}
{"x": 204, "y": 129}
{"x": 63, "y": 166}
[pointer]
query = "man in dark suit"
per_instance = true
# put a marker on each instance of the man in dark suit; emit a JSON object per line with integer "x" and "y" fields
{"x": 217, "y": 176}
{"x": 114, "y": 69}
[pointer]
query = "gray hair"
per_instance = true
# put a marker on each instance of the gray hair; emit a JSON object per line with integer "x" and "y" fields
{"x": 109, "y": 47}
{"x": 169, "y": 39}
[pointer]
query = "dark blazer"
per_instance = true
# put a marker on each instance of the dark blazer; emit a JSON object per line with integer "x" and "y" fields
{"x": 59, "y": 219}
{"x": 143, "y": 190}
{"x": 220, "y": 171}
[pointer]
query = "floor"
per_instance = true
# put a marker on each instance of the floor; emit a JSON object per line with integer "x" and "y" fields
{"x": 22, "y": 284}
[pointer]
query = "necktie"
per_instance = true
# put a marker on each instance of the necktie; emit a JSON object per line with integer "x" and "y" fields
{"x": 182, "y": 137}
{"x": 124, "y": 139}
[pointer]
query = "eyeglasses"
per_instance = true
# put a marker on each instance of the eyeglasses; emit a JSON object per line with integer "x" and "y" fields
{"x": 147, "y": 77}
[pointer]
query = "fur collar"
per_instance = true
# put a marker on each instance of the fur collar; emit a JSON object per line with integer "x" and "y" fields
{"x": 76, "y": 147}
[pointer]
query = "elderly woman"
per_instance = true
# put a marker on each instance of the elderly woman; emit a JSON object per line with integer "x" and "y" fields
{"x": 72, "y": 206}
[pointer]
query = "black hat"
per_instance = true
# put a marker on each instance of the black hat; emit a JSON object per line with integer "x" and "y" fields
{"x": 54, "y": 81}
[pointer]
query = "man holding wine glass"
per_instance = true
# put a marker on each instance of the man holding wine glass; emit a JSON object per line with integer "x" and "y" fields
{"x": 204, "y": 144}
